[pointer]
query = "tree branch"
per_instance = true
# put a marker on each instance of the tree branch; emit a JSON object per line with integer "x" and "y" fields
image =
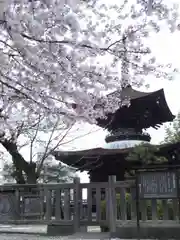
{"x": 46, "y": 152}
{"x": 19, "y": 92}
{"x": 23, "y": 145}
{"x": 81, "y": 136}
{"x": 33, "y": 38}
{"x": 18, "y": 161}
{"x": 34, "y": 138}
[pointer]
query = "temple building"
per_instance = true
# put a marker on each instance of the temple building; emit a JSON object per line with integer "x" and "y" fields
{"x": 127, "y": 128}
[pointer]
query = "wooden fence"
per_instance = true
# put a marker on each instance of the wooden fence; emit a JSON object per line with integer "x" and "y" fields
{"x": 107, "y": 204}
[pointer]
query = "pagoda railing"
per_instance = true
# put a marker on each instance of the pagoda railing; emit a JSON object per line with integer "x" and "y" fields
{"x": 127, "y": 134}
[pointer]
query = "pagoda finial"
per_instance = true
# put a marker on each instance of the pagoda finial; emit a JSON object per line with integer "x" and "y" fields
{"x": 124, "y": 65}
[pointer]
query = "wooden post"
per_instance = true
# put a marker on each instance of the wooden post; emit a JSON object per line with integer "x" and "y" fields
{"x": 133, "y": 204}
{"x": 154, "y": 209}
{"x": 123, "y": 204}
{"x": 17, "y": 204}
{"x": 112, "y": 203}
{"x": 178, "y": 192}
{"x": 67, "y": 214}
{"x": 89, "y": 204}
{"x": 58, "y": 205}
{"x": 98, "y": 204}
{"x": 165, "y": 209}
{"x": 48, "y": 204}
{"x": 77, "y": 199}
{"x": 41, "y": 196}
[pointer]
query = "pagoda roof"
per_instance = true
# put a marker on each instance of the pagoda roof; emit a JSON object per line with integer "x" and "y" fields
{"x": 89, "y": 152}
{"x": 147, "y": 109}
{"x": 130, "y": 93}
{"x": 78, "y": 158}
{"x": 90, "y": 157}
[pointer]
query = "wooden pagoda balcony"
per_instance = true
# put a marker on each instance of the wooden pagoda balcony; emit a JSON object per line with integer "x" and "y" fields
{"x": 127, "y": 134}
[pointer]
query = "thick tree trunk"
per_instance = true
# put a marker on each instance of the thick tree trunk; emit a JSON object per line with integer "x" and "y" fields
{"x": 31, "y": 173}
{"x": 20, "y": 164}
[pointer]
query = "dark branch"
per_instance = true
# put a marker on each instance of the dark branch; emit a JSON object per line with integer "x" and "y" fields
{"x": 80, "y": 45}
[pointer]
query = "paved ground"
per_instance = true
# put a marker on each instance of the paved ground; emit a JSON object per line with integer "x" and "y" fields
{"x": 12, "y": 232}
{"x": 41, "y": 229}
{"x": 23, "y": 228}
{"x": 34, "y": 232}
{"x": 33, "y": 237}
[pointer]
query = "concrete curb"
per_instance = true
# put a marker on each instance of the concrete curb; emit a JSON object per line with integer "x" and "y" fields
{"x": 40, "y": 230}
{"x": 77, "y": 236}
{"x": 23, "y": 233}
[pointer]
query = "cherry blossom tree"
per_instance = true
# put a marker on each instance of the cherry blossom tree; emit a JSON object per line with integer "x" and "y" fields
{"x": 52, "y": 52}
{"x": 52, "y": 172}
{"x": 40, "y": 137}
{"x": 31, "y": 145}
{"x": 57, "y": 173}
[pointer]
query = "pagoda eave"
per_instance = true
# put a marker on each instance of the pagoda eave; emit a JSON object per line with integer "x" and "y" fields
{"x": 78, "y": 159}
{"x": 89, "y": 152}
{"x": 87, "y": 159}
{"x": 145, "y": 110}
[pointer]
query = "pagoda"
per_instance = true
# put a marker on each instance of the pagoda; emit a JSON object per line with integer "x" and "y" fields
{"x": 127, "y": 128}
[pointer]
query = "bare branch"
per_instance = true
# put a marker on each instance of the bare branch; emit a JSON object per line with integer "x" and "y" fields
{"x": 19, "y": 91}
{"x": 34, "y": 138}
{"x": 23, "y": 145}
{"x": 33, "y": 38}
{"x": 81, "y": 136}
{"x": 59, "y": 142}
{"x": 46, "y": 152}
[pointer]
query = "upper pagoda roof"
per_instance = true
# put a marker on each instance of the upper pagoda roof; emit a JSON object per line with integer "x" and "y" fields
{"x": 147, "y": 109}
